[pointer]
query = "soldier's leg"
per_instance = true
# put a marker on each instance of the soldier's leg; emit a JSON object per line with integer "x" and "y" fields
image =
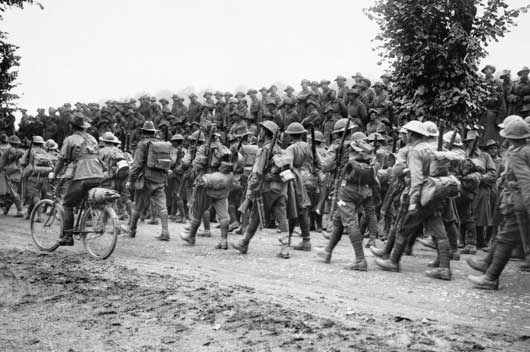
{"x": 181, "y": 217}
{"x": 72, "y": 197}
{"x": 303, "y": 219}
{"x": 507, "y": 239}
{"x": 347, "y": 214}
{"x": 197, "y": 213}
{"x": 141, "y": 201}
{"x": 221, "y": 209}
{"x": 435, "y": 227}
{"x": 371, "y": 221}
{"x": 158, "y": 195}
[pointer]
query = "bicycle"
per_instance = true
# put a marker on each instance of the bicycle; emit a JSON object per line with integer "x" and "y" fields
{"x": 96, "y": 223}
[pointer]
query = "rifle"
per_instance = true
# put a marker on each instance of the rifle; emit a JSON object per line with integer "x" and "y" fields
{"x": 395, "y": 138}
{"x": 452, "y": 141}
{"x": 441, "y": 136}
{"x": 333, "y": 182}
{"x": 259, "y": 197}
{"x": 198, "y": 195}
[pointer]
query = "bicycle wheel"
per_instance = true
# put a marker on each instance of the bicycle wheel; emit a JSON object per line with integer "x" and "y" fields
{"x": 100, "y": 231}
{"x": 46, "y": 224}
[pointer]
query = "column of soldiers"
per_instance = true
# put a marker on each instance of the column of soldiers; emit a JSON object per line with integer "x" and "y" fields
{"x": 325, "y": 160}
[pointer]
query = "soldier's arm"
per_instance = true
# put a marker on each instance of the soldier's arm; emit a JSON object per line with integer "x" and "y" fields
{"x": 521, "y": 168}
{"x": 257, "y": 169}
{"x": 138, "y": 163}
{"x": 489, "y": 176}
{"x": 64, "y": 157}
{"x": 416, "y": 177}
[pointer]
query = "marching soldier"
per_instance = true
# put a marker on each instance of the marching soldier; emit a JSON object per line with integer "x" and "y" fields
{"x": 357, "y": 178}
{"x": 11, "y": 175}
{"x": 428, "y": 215}
{"x": 515, "y": 206}
{"x": 148, "y": 177}
{"x": 297, "y": 155}
{"x": 37, "y": 165}
{"x": 175, "y": 179}
{"x": 519, "y": 97}
{"x": 265, "y": 188}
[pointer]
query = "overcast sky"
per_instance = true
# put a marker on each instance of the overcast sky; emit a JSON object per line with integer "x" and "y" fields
{"x": 81, "y": 50}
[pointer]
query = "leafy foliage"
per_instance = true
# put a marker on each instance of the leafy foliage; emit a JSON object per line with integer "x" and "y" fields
{"x": 434, "y": 48}
{"x": 9, "y": 61}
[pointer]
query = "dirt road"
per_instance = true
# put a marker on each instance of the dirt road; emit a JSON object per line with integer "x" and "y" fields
{"x": 153, "y": 296}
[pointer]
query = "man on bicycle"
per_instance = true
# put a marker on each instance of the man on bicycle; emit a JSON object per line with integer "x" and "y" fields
{"x": 84, "y": 169}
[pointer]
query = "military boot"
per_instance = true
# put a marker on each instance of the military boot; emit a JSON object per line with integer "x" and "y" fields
{"x": 392, "y": 263}
{"x": 305, "y": 245}
{"x": 66, "y": 239}
{"x": 434, "y": 264}
{"x": 439, "y": 273}
{"x": 223, "y": 243}
{"x": 358, "y": 265}
{"x": 427, "y": 242}
{"x": 469, "y": 249}
{"x": 189, "y": 236}
{"x": 324, "y": 254}
{"x": 242, "y": 245}
{"x": 482, "y": 282}
{"x": 135, "y": 216}
{"x": 478, "y": 265}
{"x": 164, "y": 236}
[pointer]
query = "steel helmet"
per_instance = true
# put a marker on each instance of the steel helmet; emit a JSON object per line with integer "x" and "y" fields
{"x": 319, "y": 137}
{"x": 108, "y": 137}
{"x": 149, "y": 126}
{"x": 13, "y": 140}
{"x": 270, "y": 126}
{"x": 471, "y": 135}
{"x": 197, "y": 134}
{"x": 177, "y": 137}
{"x": 449, "y": 135}
{"x": 295, "y": 128}
{"x": 516, "y": 130}
{"x": 38, "y": 140}
{"x": 417, "y": 127}
{"x": 50, "y": 144}
{"x": 358, "y": 136}
{"x": 340, "y": 125}
{"x": 431, "y": 128}
{"x": 508, "y": 120}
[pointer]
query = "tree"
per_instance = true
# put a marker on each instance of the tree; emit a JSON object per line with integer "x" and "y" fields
{"x": 9, "y": 62}
{"x": 434, "y": 48}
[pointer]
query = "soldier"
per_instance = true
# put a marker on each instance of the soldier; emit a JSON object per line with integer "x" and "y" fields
{"x": 367, "y": 94}
{"x": 429, "y": 215}
{"x": 326, "y": 90}
{"x": 255, "y": 106}
{"x": 237, "y": 138}
{"x": 506, "y": 86}
{"x": 273, "y": 93}
{"x": 211, "y": 189}
{"x": 519, "y": 97}
{"x": 175, "y": 179}
{"x": 289, "y": 93}
{"x": 10, "y": 176}
{"x": 117, "y": 168}
{"x": 194, "y": 109}
{"x": 220, "y": 117}
{"x": 515, "y": 206}
{"x": 380, "y": 101}
{"x": 37, "y": 165}
{"x": 84, "y": 169}
{"x": 265, "y": 187}
{"x": 179, "y": 110}
{"x": 290, "y": 114}
{"x": 165, "y": 107}
{"x": 149, "y": 176}
{"x": 356, "y": 109}
{"x": 315, "y": 89}
{"x": 356, "y": 190}
{"x": 313, "y": 181}
{"x": 341, "y": 87}
{"x": 298, "y": 154}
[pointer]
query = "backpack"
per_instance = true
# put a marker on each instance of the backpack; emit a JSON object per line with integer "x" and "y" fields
{"x": 42, "y": 163}
{"x": 361, "y": 173}
{"x": 159, "y": 155}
